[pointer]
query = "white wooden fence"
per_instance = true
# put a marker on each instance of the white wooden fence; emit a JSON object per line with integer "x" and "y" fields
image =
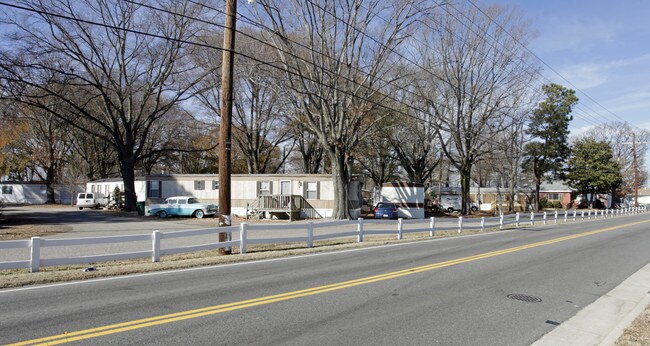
{"x": 354, "y": 228}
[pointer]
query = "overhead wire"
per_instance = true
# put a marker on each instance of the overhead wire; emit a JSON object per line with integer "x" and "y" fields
{"x": 398, "y": 111}
{"x": 534, "y": 73}
{"x": 550, "y": 67}
{"x": 212, "y": 47}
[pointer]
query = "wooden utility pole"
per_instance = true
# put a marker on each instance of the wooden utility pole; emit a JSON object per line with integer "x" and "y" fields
{"x": 636, "y": 172}
{"x": 225, "y": 131}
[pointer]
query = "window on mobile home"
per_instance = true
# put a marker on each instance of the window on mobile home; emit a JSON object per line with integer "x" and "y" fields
{"x": 264, "y": 188}
{"x": 311, "y": 190}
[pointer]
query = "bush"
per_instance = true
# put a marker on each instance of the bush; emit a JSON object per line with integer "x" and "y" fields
{"x": 543, "y": 203}
{"x": 557, "y": 205}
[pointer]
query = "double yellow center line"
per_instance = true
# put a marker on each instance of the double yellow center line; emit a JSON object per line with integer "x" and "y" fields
{"x": 212, "y": 310}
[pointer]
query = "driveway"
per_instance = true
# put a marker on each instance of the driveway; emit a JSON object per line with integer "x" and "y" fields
{"x": 92, "y": 223}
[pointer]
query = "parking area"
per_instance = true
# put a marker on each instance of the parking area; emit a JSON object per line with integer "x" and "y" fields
{"x": 70, "y": 222}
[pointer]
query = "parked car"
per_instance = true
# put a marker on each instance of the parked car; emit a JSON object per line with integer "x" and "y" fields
{"x": 385, "y": 210}
{"x": 182, "y": 206}
{"x": 451, "y": 203}
{"x": 94, "y": 200}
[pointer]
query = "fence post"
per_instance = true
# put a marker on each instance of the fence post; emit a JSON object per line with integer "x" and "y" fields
{"x": 501, "y": 221}
{"x": 399, "y": 229}
{"x": 582, "y": 215}
{"x": 532, "y": 218}
{"x": 482, "y": 223}
{"x": 460, "y": 224}
{"x": 517, "y": 220}
{"x": 243, "y": 233}
{"x": 566, "y": 215}
{"x": 155, "y": 246}
{"x": 432, "y": 225}
{"x": 310, "y": 234}
{"x": 360, "y": 230}
{"x": 555, "y": 218}
{"x": 589, "y": 215}
{"x": 544, "y": 218}
{"x": 36, "y": 254}
{"x": 574, "y": 214}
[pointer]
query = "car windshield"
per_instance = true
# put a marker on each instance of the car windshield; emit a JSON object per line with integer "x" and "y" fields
{"x": 386, "y": 205}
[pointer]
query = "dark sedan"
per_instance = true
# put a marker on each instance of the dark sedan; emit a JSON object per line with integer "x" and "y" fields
{"x": 386, "y": 210}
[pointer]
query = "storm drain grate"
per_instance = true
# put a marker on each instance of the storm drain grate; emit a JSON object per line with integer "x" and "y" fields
{"x": 524, "y": 298}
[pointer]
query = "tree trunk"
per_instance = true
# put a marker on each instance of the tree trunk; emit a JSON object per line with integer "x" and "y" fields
{"x": 465, "y": 172}
{"x": 128, "y": 176}
{"x": 340, "y": 180}
{"x": 538, "y": 183}
{"x": 49, "y": 184}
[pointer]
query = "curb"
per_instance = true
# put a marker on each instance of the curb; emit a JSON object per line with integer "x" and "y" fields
{"x": 605, "y": 320}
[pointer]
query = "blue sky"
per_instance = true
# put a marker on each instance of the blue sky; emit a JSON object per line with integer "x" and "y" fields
{"x": 602, "y": 48}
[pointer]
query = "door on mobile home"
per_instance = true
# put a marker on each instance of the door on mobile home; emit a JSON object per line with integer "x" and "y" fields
{"x": 285, "y": 187}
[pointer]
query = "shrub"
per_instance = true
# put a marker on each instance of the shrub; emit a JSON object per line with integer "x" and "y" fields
{"x": 543, "y": 203}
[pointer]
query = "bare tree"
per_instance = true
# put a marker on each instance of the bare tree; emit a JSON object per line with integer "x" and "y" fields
{"x": 480, "y": 73}
{"x": 334, "y": 55}
{"x": 309, "y": 148}
{"x": 92, "y": 157}
{"x": 377, "y": 157}
{"x": 126, "y": 64}
{"x": 46, "y": 144}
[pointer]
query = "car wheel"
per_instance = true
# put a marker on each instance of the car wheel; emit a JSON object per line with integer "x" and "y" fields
{"x": 81, "y": 208}
{"x": 162, "y": 214}
{"x": 474, "y": 208}
{"x": 198, "y": 214}
{"x": 450, "y": 209}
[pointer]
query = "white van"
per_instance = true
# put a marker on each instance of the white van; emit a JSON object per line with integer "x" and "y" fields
{"x": 451, "y": 203}
{"x": 91, "y": 200}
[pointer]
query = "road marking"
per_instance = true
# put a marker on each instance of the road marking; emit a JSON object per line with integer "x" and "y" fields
{"x": 216, "y": 309}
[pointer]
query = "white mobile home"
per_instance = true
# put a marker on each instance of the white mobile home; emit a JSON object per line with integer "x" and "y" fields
{"x": 35, "y": 192}
{"x": 315, "y": 191}
{"x": 409, "y": 197}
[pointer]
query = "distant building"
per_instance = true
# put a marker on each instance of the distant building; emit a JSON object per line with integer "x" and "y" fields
{"x": 35, "y": 192}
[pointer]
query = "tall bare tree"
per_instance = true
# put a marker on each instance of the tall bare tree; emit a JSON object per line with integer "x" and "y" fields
{"x": 334, "y": 54}
{"x": 47, "y": 144}
{"x": 481, "y": 71}
{"x": 127, "y": 64}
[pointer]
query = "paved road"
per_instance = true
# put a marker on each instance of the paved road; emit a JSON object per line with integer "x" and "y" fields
{"x": 451, "y": 292}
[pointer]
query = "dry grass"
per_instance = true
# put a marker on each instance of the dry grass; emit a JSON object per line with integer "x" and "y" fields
{"x": 637, "y": 334}
{"x": 14, "y": 232}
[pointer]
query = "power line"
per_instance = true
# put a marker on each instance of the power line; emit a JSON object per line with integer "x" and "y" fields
{"x": 244, "y": 55}
{"x": 547, "y": 65}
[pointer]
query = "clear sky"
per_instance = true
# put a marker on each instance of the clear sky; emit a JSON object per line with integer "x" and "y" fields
{"x": 602, "y": 48}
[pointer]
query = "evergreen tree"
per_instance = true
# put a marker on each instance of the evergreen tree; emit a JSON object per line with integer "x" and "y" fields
{"x": 549, "y": 131}
{"x": 592, "y": 168}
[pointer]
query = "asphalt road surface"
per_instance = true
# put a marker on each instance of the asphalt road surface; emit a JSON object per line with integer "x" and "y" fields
{"x": 500, "y": 288}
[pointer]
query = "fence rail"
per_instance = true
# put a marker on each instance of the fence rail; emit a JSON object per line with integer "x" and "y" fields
{"x": 354, "y": 228}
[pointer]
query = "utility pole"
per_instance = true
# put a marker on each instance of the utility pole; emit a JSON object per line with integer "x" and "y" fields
{"x": 636, "y": 172}
{"x": 225, "y": 131}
